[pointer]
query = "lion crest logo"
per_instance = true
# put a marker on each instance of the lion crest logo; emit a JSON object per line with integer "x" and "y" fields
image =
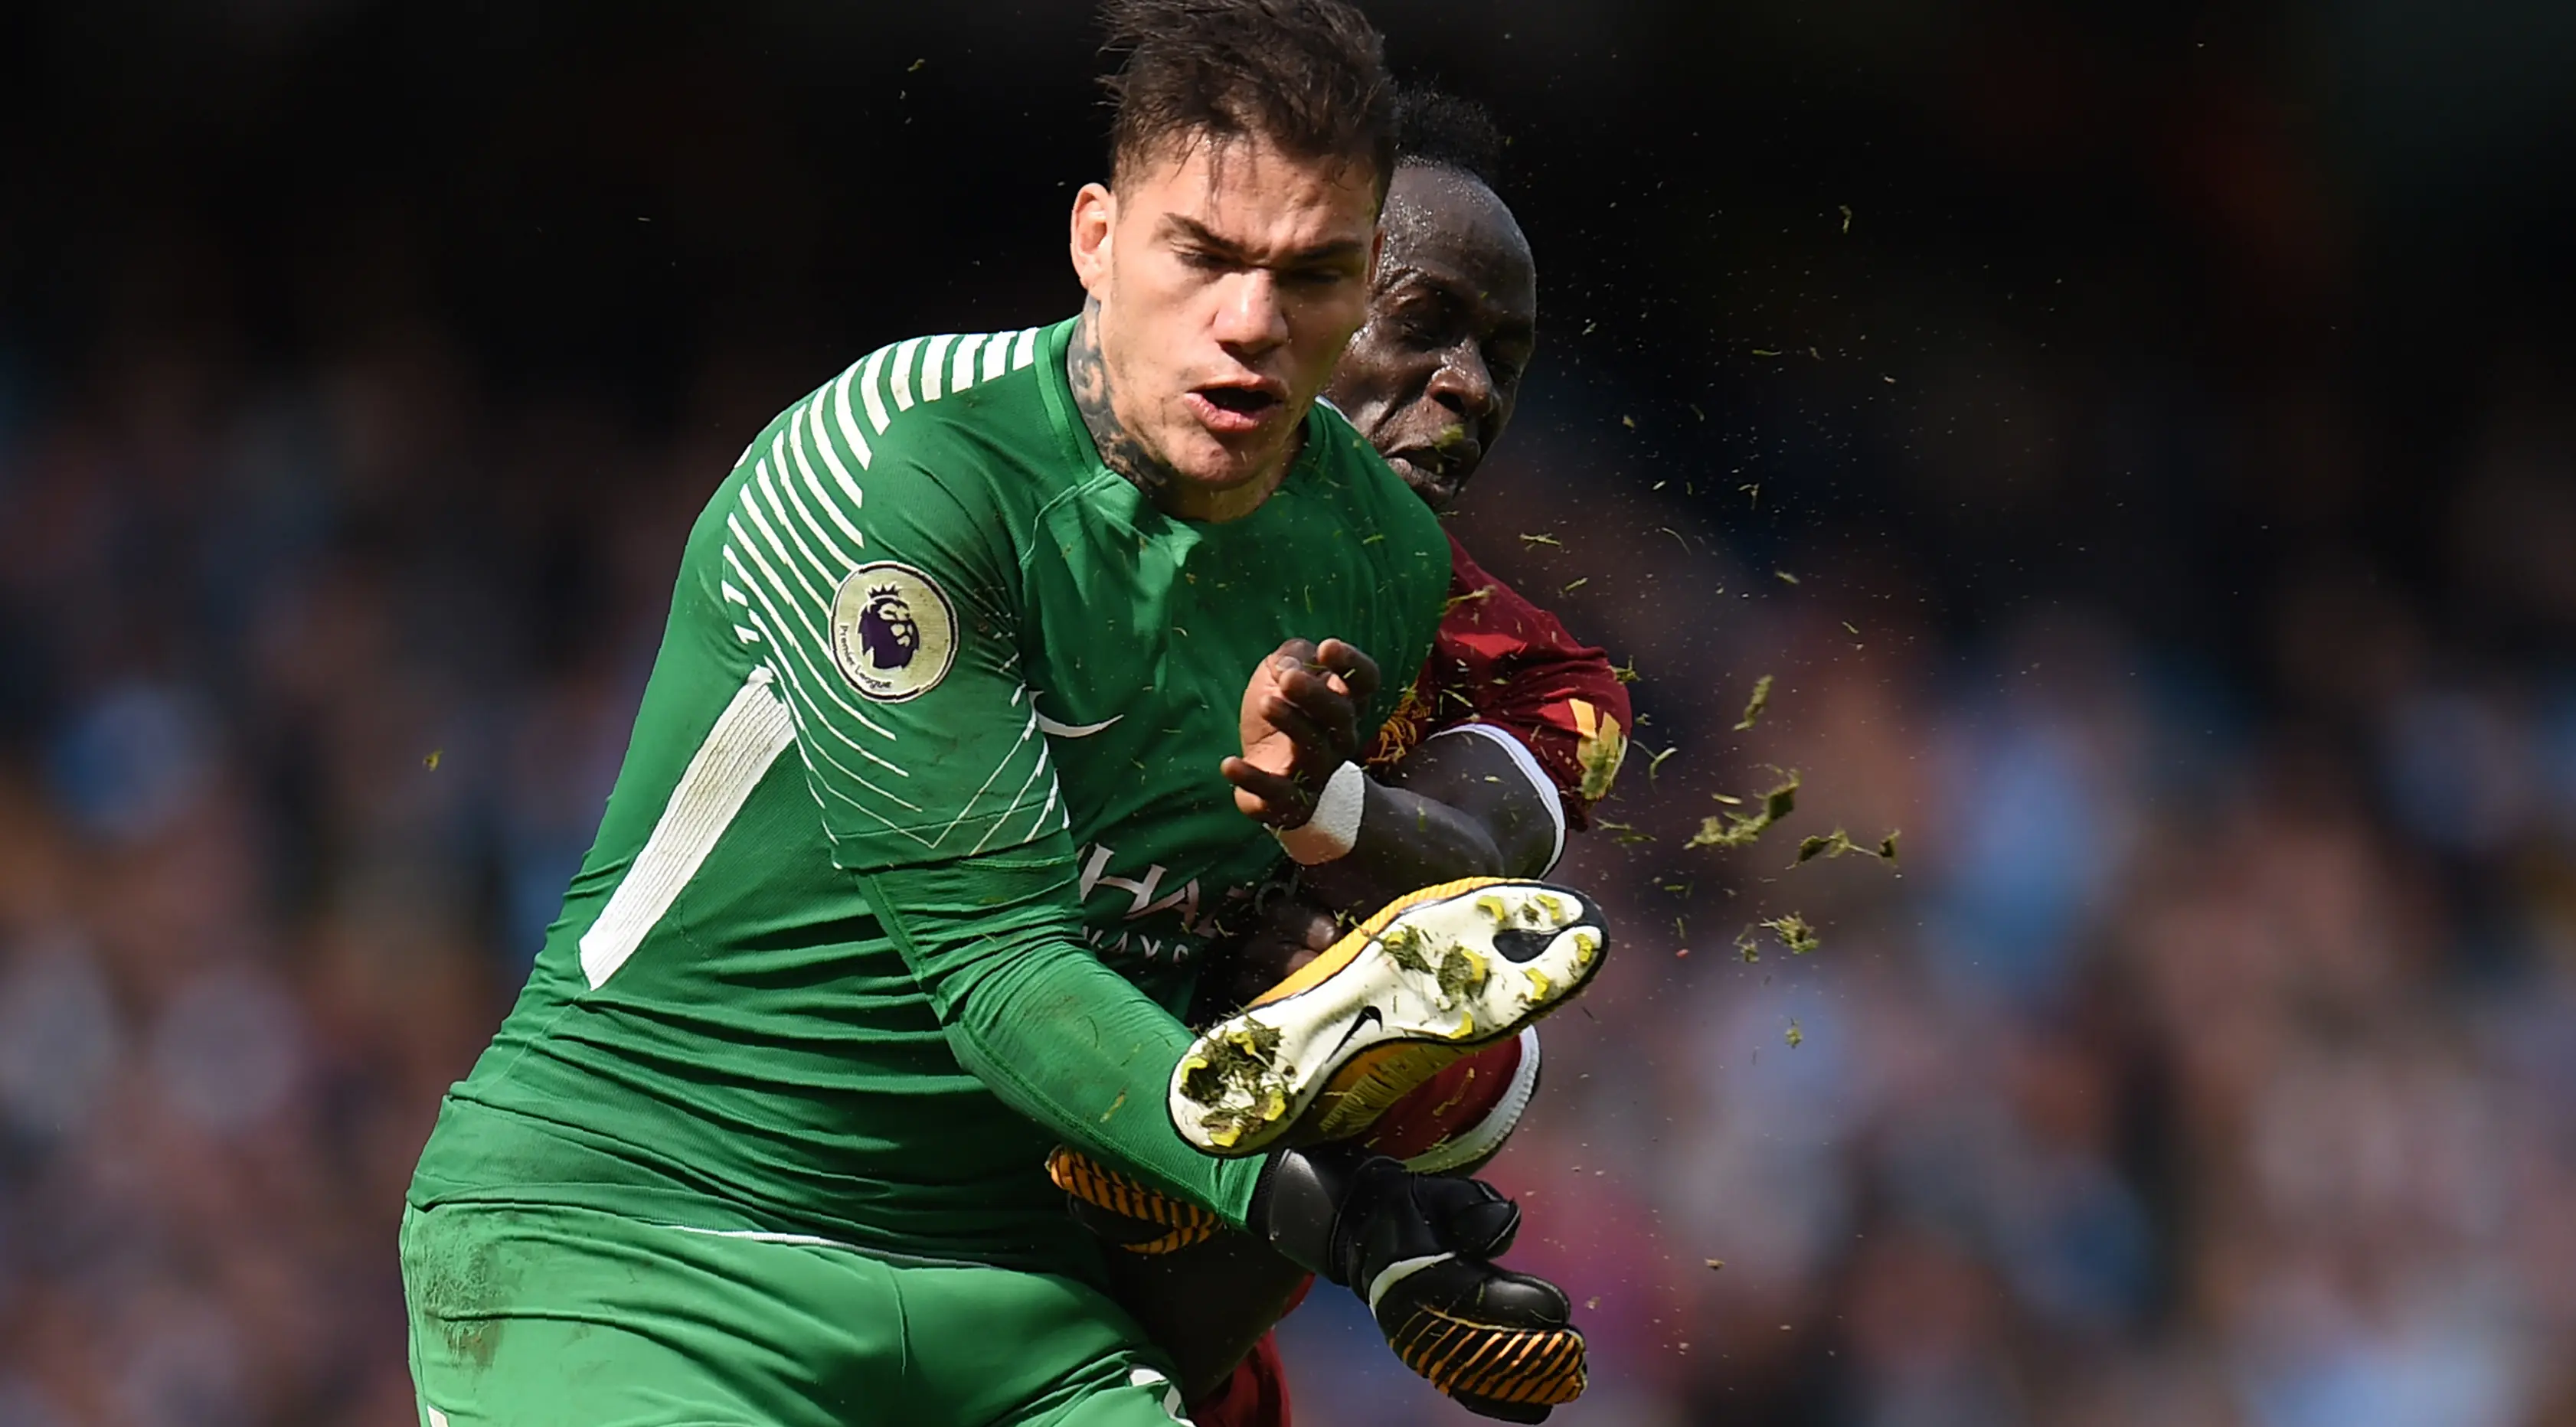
{"x": 887, "y": 631}
{"x": 894, "y": 633}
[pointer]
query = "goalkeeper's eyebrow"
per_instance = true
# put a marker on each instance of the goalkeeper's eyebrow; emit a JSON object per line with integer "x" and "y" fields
{"x": 1196, "y": 237}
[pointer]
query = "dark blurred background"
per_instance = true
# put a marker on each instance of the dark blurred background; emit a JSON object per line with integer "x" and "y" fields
{"x": 2140, "y": 440}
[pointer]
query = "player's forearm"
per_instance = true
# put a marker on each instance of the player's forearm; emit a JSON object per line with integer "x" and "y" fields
{"x": 1409, "y": 840}
{"x": 1058, "y": 1036}
{"x": 1070, "y": 1044}
{"x": 1453, "y": 807}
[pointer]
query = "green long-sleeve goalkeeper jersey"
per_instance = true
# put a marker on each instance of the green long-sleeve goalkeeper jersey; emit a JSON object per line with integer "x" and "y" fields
{"x": 921, "y": 824}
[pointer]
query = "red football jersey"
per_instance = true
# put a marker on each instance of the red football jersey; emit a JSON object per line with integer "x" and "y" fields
{"x": 1502, "y": 661}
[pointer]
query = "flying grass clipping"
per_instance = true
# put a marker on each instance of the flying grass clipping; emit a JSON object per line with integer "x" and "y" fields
{"x": 1732, "y": 829}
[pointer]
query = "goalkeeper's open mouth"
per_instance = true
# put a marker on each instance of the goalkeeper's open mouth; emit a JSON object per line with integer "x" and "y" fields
{"x": 1238, "y": 408}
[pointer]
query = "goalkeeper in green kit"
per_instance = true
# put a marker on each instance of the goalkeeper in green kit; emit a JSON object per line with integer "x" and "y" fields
{"x": 991, "y": 691}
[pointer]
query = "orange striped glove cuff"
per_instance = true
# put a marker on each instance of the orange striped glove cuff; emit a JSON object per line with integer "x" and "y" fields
{"x": 1126, "y": 1212}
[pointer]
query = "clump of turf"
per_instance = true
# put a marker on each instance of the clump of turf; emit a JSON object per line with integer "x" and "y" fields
{"x": 1403, "y": 946}
{"x": 1839, "y": 842}
{"x": 1238, "y": 1062}
{"x": 1460, "y": 975}
{"x": 1227, "y": 1127}
{"x": 1753, "y": 707}
{"x": 1795, "y": 934}
{"x": 1740, "y": 829}
{"x": 1457, "y": 972}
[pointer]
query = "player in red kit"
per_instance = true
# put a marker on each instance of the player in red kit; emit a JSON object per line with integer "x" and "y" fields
{"x": 1510, "y": 732}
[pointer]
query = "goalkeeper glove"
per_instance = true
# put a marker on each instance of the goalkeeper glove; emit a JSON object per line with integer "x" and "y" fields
{"x": 1416, "y": 1249}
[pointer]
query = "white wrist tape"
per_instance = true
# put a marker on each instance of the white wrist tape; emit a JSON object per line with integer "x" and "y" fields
{"x": 1335, "y": 826}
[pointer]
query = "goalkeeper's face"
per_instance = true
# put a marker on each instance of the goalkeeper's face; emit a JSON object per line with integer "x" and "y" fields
{"x": 1229, "y": 276}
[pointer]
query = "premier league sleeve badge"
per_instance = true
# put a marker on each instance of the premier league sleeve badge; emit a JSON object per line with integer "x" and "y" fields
{"x": 894, "y": 633}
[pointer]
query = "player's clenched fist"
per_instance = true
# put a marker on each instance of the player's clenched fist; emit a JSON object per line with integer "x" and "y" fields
{"x": 1301, "y": 725}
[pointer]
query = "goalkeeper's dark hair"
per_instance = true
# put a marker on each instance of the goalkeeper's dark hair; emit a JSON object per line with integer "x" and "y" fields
{"x": 1440, "y": 129}
{"x": 1307, "y": 75}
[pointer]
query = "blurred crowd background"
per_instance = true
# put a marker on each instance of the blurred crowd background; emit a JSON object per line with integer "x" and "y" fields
{"x": 2140, "y": 441}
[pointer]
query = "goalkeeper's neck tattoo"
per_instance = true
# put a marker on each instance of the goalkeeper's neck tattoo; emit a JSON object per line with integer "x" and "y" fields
{"x": 1088, "y": 375}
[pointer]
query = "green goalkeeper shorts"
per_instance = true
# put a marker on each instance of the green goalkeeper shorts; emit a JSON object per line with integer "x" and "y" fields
{"x": 538, "y": 1314}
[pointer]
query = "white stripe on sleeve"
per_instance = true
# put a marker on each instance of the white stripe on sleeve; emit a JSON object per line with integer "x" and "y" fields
{"x": 903, "y": 373}
{"x": 748, "y": 736}
{"x": 934, "y": 365}
{"x": 872, "y": 393}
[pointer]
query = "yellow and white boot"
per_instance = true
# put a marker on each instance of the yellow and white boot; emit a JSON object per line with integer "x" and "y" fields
{"x": 1434, "y": 975}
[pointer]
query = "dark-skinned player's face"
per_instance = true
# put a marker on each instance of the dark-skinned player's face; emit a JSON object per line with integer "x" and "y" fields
{"x": 1431, "y": 376}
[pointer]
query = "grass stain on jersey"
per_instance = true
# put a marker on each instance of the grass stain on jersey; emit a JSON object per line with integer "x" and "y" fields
{"x": 463, "y": 1294}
